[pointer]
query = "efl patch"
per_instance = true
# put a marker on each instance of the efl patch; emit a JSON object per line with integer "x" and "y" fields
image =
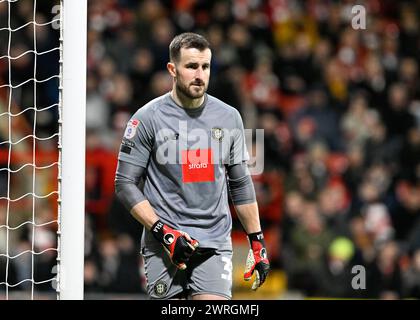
{"x": 197, "y": 166}
{"x": 160, "y": 288}
{"x": 130, "y": 131}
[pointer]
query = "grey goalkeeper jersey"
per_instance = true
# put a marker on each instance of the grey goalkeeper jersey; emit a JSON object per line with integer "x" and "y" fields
{"x": 185, "y": 153}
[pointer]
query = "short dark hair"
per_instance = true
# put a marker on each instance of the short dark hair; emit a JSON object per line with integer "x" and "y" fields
{"x": 186, "y": 40}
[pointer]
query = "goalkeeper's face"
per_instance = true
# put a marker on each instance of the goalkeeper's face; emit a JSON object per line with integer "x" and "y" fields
{"x": 192, "y": 72}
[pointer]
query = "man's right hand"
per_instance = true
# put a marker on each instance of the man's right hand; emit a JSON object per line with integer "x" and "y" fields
{"x": 178, "y": 244}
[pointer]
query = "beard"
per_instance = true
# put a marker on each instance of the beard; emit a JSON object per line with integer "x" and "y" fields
{"x": 190, "y": 90}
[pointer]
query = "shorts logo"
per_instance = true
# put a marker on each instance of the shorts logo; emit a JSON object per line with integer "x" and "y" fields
{"x": 130, "y": 131}
{"x": 160, "y": 288}
{"x": 197, "y": 166}
{"x": 168, "y": 238}
{"x": 217, "y": 133}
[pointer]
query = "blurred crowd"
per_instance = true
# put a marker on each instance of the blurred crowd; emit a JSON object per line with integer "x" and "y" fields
{"x": 340, "y": 109}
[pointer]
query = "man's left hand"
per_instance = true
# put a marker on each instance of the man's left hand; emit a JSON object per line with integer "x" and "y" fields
{"x": 257, "y": 260}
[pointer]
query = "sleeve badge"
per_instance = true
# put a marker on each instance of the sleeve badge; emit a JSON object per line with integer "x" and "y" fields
{"x": 130, "y": 131}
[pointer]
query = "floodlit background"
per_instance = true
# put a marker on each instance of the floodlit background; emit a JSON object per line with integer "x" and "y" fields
{"x": 341, "y": 112}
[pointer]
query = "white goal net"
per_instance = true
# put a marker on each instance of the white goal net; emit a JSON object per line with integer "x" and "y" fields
{"x": 31, "y": 135}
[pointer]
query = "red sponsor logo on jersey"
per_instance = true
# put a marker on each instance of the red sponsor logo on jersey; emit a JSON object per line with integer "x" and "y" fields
{"x": 197, "y": 166}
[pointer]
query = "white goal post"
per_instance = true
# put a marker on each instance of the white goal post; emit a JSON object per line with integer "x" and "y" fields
{"x": 42, "y": 162}
{"x": 72, "y": 143}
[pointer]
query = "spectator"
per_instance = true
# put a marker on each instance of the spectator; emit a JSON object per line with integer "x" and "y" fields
{"x": 309, "y": 242}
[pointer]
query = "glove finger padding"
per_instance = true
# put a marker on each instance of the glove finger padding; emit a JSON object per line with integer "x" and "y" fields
{"x": 252, "y": 268}
{"x": 261, "y": 271}
{"x": 249, "y": 266}
{"x": 193, "y": 242}
{"x": 182, "y": 250}
{"x": 257, "y": 281}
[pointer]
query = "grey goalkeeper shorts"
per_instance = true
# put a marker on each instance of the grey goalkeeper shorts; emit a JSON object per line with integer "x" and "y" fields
{"x": 209, "y": 271}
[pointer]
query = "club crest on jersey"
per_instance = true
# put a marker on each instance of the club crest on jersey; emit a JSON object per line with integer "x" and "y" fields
{"x": 160, "y": 288}
{"x": 130, "y": 131}
{"x": 217, "y": 133}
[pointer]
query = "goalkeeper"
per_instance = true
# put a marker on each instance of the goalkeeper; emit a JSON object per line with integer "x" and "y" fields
{"x": 190, "y": 149}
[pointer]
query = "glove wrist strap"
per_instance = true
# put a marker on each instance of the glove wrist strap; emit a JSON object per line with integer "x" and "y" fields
{"x": 256, "y": 236}
{"x": 158, "y": 231}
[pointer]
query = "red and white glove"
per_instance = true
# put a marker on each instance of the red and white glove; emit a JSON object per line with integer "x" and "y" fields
{"x": 257, "y": 260}
{"x": 178, "y": 244}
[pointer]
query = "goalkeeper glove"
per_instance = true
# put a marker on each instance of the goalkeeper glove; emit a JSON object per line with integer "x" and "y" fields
{"x": 178, "y": 244}
{"x": 257, "y": 260}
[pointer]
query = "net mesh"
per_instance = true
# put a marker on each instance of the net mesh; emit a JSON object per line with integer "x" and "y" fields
{"x": 30, "y": 52}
